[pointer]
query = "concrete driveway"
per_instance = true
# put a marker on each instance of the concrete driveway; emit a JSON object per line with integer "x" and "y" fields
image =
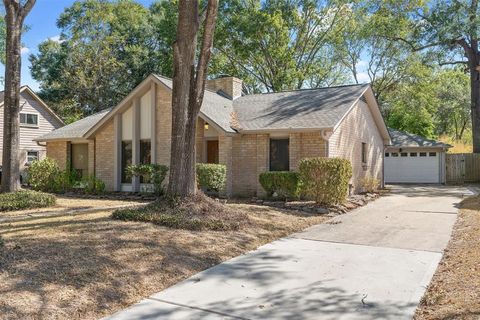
{"x": 372, "y": 263}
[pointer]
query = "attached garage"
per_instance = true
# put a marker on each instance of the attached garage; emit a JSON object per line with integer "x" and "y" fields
{"x": 414, "y": 159}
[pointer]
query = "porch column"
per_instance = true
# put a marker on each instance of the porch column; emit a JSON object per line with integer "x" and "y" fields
{"x": 199, "y": 141}
{"x": 153, "y": 126}
{"x": 91, "y": 157}
{"x": 225, "y": 144}
{"x": 263, "y": 141}
{"x": 117, "y": 149}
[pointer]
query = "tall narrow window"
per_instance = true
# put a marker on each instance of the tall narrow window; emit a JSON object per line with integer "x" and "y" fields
{"x": 126, "y": 160}
{"x": 145, "y": 155}
{"x": 279, "y": 155}
{"x": 364, "y": 152}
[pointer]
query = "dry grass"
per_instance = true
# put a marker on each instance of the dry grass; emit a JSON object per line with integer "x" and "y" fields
{"x": 454, "y": 292}
{"x": 86, "y": 266}
{"x": 458, "y": 146}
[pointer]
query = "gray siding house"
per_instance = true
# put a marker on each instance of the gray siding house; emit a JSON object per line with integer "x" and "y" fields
{"x": 36, "y": 119}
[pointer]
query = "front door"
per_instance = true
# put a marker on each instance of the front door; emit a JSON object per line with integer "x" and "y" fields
{"x": 212, "y": 151}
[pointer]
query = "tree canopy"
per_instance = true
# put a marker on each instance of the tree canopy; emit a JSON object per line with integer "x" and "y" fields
{"x": 401, "y": 47}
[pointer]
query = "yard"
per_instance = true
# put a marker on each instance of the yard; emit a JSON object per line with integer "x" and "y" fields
{"x": 85, "y": 265}
{"x": 454, "y": 291}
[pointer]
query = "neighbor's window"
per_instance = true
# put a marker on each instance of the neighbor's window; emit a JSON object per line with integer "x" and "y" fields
{"x": 126, "y": 160}
{"x": 32, "y": 156}
{"x": 29, "y": 119}
{"x": 432, "y": 154}
{"x": 423, "y": 154}
{"x": 364, "y": 152}
{"x": 413, "y": 154}
{"x": 279, "y": 155}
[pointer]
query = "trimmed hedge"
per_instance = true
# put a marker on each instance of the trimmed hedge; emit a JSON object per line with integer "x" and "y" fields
{"x": 325, "y": 180}
{"x": 211, "y": 176}
{"x": 285, "y": 184}
{"x": 25, "y": 199}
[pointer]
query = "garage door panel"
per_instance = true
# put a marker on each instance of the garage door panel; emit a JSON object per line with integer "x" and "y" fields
{"x": 412, "y": 169}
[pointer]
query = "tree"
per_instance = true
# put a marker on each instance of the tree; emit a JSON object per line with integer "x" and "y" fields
{"x": 188, "y": 90}
{"x": 16, "y": 11}
{"x": 105, "y": 49}
{"x": 280, "y": 44}
{"x": 450, "y": 30}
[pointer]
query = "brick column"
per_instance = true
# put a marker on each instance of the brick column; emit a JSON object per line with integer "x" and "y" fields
{"x": 91, "y": 157}
{"x": 295, "y": 149}
{"x": 263, "y": 141}
{"x": 225, "y": 158}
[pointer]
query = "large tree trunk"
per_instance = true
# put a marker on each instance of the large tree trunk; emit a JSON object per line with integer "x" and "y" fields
{"x": 475, "y": 100}
{"x": 15, "y": 15}
{"x": 187, "y": 95}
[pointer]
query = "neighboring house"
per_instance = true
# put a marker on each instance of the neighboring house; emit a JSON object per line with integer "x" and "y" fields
{"x": 249, "y": 134}
{"x": 36, "y": 119}
{"x": 414, "y": 159}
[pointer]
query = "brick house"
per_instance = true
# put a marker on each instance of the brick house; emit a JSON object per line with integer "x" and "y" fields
{"x": 249, "y": 134}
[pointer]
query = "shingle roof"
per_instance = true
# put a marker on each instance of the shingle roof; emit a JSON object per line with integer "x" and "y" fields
{"x": 300, "y": 109}
{"x": 76, "y": 129}
{"x": 405, "y": 139}
{"x": 215, "y": 106}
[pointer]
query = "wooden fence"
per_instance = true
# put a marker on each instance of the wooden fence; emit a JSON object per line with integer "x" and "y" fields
{"x": 462, "y": 168}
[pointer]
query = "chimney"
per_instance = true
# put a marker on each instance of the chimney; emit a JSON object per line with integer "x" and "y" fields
{"x": 230, "y": 86}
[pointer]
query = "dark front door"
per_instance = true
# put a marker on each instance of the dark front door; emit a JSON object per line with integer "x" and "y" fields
{"x": 212, "y": 151}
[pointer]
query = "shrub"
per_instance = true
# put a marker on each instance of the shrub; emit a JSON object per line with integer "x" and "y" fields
{"x": 211, "y": 176}
{"x": 370, "y": 184}
{"x": 151, "y": 173}
{"x": 25, "y": 199}
{"x": 64, "y": 181}
{"x": 283, "y": 183}
{"x": 93, "y": 185}
{"x": 42, "y": 174}
{"x": 325, "y": 180}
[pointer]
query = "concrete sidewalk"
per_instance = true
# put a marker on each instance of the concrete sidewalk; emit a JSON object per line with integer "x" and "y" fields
{"x": 373, "y": 264}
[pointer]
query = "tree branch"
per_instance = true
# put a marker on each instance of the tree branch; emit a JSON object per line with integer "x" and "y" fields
{"x": 452, "y": 63}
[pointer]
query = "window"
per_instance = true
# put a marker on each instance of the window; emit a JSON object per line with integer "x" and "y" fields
{"x": 126, "y": 160}
{"x": 423, "y": 154}
{"x": 29, "y": 119}
{"x": 432, "y": 154}
{"x": 387, "y": 154}
{"x": 394, "y": 154}
{"x": 145, "y": 155}
{"x": 32, "y": 156}
{"x": 364, "y": 152}
{"x": 404, "y": 154}
{"x": 279, "y": 155}
{"x": 413, "y": 154}
{"x": 145, "y": 152}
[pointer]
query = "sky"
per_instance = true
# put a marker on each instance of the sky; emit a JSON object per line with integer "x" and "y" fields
{"x": 42, "y": 22}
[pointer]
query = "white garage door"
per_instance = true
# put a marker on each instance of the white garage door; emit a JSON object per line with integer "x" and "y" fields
{"x": 412, "y": 167}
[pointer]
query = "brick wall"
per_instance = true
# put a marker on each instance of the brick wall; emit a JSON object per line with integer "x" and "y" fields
{"x": 104, "y": 151}
{"x": 91, "y": 157}
{"x": 346, "y": 142}
{"x": 59, "y": 151}
{"x": 164, "y": 125}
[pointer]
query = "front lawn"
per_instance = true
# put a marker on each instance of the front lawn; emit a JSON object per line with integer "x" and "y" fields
{"x": 454, "y": 292}
{"x": 86, "y": 266}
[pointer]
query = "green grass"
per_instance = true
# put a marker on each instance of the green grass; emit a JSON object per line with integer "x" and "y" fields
{"x": 25, "y": 199}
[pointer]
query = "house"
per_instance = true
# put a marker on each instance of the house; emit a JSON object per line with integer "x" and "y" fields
{"x": 36, "y": 119}
{"x": 249, "y": 134}
{"x": 414, "y": 159}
